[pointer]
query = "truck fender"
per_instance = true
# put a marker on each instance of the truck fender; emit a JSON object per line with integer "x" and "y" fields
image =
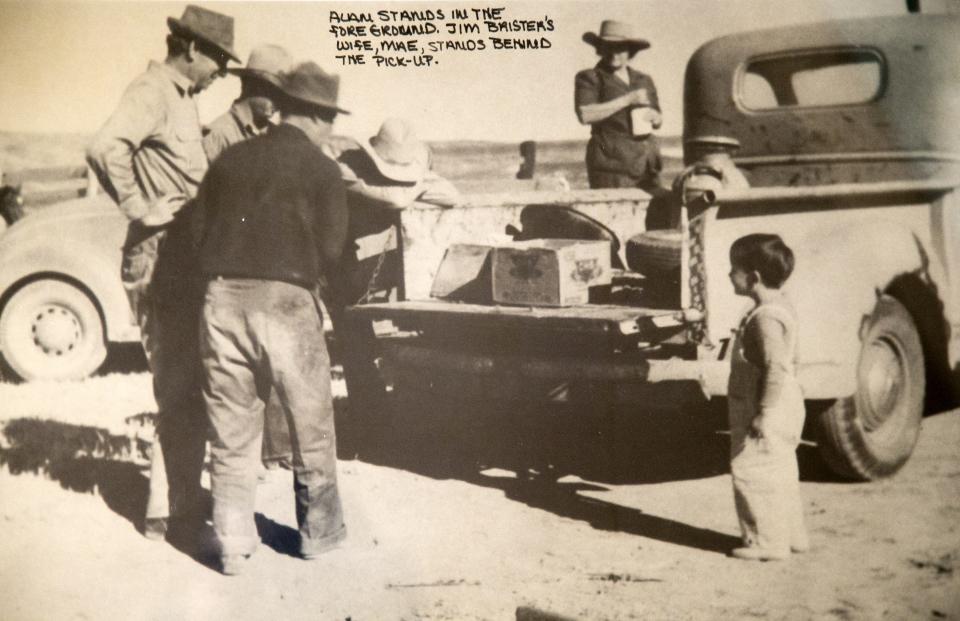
{"x": 840, "y": 274}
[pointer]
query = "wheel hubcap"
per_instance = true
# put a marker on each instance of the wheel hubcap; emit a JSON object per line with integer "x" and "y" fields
{"x": 885, "y": 375}
{"x": 56, "y": 331}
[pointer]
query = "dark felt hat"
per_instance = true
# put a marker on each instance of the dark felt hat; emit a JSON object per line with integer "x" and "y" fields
{"x": 613, "y": 32}
{"x": 308, "y": 83}
{"x": 210, "y": 27}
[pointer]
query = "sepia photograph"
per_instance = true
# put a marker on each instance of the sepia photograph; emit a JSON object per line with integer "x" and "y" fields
{"x": 525, "y": 310}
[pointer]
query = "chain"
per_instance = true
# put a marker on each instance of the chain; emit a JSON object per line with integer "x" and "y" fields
{"x": 371, "y": 284}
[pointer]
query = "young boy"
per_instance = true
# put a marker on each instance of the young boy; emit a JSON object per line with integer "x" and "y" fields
{"x": 766, "y": 404}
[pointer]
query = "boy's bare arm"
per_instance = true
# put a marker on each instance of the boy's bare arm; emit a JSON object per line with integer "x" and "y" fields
{"x": 774, "y": 358}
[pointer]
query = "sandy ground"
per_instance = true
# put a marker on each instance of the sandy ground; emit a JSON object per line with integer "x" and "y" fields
{"x": 460, "y": 538}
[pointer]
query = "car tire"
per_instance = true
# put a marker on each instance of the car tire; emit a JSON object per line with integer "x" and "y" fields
{"x": 871, "y": 434}
{"x": 51, "y": 330}
{"x": 654, "y": 252}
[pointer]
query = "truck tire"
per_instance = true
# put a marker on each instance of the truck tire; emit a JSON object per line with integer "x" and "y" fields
{"x": 654, "y": 252}
{"x": 872, "y": 434}
{"x": 51, "y": 330}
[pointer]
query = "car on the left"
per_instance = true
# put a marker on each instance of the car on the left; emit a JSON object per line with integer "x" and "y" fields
{"x": 61, "y": 299}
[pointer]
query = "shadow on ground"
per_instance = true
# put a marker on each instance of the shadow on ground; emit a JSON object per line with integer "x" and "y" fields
{"x": 540, "y": 445}
{"x": 91, "y": 460}
{"x": 81, "y": 459}
{"x": 600, "y": 443}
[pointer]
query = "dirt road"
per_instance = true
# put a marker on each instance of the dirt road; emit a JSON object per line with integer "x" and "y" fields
{"x": 458, "y": 538}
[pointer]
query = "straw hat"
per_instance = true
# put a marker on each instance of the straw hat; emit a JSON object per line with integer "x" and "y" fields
{"x": 616, "y": 33}
{"x": 308, "y": 83}
{"x": 397, "y": 153}
{"x": 214, "y": 29}
{"x": 266, "y": 62}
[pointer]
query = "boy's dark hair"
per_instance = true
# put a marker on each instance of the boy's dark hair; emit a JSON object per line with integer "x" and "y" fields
{"x": 765, "y": 254}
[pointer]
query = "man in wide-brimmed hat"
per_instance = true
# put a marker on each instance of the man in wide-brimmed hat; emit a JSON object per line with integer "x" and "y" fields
{"x": 388, "y": 172}
{"x": 149, "y": 159}
{"x": 250, "y": 114}
{"x": 270, "y": 224}
{"x": 621, "y": 106}
{"x": 394, "y": 167}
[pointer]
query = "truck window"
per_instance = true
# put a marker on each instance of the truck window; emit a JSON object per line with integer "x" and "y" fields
{"x": 827, "y": 78}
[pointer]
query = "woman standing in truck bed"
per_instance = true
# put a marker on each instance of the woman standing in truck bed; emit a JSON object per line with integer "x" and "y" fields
{"x": 621, "y": 106}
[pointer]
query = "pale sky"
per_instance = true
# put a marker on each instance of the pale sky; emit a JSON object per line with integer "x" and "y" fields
{"x": 65, "y": 64}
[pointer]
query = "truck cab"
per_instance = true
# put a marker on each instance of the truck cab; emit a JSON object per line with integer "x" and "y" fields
{"x": 849, "y": 137}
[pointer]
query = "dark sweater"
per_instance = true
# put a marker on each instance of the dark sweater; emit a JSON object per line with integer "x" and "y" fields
{"x": 272, "y": 207}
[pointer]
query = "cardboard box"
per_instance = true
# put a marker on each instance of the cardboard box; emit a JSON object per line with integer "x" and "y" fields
{"x": 549, "y": 272}
{"x": 464, "y": 274}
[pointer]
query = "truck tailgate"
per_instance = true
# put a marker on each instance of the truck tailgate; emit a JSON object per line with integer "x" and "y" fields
{"x": 586, "y": 319}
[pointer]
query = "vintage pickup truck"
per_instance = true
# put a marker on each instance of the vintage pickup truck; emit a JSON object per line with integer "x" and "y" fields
{"x": 850, "y": 138}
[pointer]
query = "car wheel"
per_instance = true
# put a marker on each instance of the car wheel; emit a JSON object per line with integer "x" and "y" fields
{"x": 51, "y": 330}
{"x": 872, "y": 434}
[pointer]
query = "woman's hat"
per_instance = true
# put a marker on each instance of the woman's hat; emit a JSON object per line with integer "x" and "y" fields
{"x": 613, "y": 32}
{"x": 267, "y": 62}
{"x": 214, "y": 29}
{"x": 397, "y": 153}
{"x": 310, "y": 84}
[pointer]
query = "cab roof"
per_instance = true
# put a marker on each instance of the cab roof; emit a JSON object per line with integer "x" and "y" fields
{"x": 914, "y": 105}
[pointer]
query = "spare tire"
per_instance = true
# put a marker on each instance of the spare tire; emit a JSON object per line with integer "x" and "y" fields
{"x": 655, "y": 252}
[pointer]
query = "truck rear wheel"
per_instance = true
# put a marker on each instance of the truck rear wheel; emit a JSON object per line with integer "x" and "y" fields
{"x": 872, "y": 434}
{"x": 51, "y": 330}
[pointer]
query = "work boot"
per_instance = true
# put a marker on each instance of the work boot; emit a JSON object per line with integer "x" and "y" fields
{"x": 754, "y": 553}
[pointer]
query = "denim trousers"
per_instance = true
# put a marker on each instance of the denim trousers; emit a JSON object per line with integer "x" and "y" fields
{"x": 165, "y": 301}
{"x": 356, "y": 343}
{"x": 257, "y": 336}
